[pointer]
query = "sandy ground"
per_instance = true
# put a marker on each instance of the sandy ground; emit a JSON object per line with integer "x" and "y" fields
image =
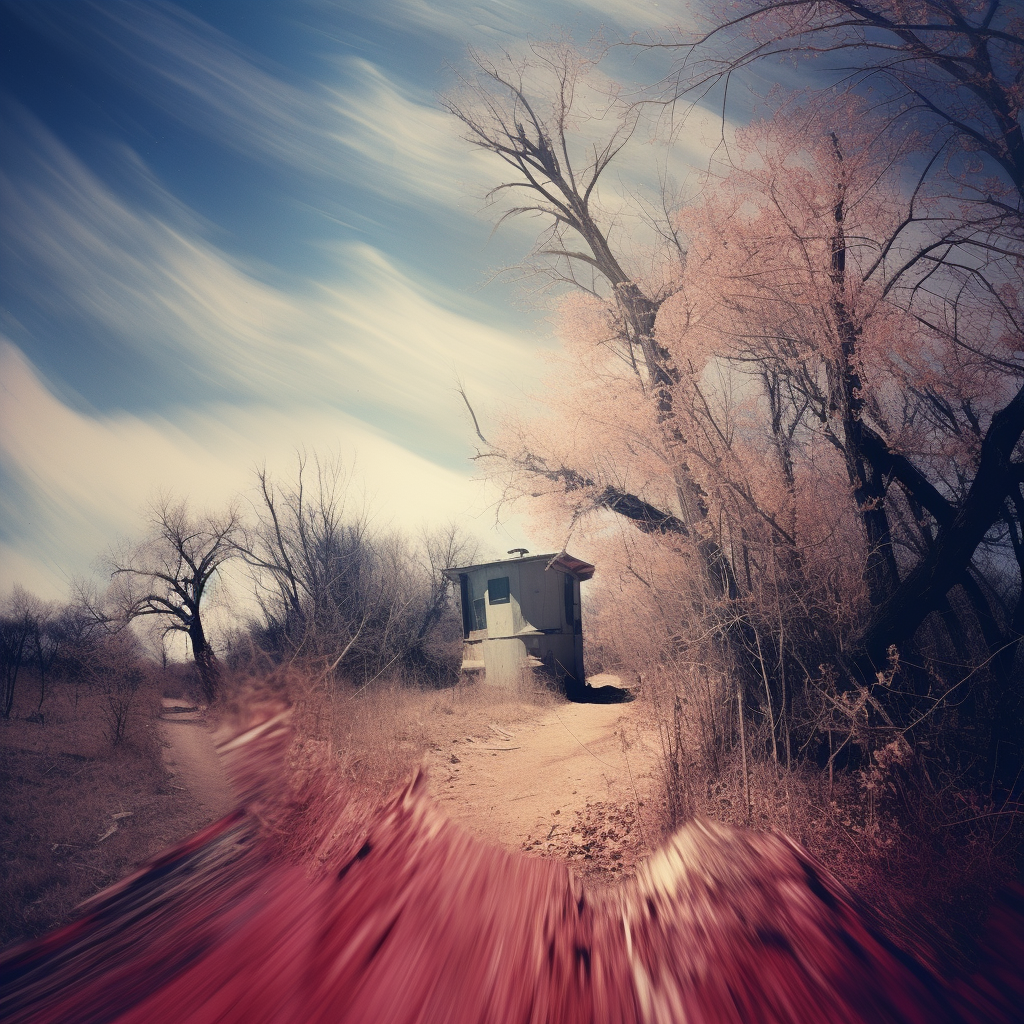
{"x": 571, "y": 780}
{"x": 577, "y": 781}
{"x": 191, "y": 759}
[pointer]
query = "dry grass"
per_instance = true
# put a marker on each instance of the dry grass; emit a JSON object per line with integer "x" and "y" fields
{"x": 63, "y": 784}
{"x": 353, "y": 748}
{"x": 378, "y": 735}
{"x": 64, "y": 781}
{"x": 929, "y": 878}
{"x": 924, "y": 871}
{"x": 928, "y": 883}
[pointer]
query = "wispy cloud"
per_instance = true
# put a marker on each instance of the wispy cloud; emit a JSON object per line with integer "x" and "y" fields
{"x": 364, "y": 360}
{"x": 402, "y": 143}
{"x": 364, "y": 336}
{"x": 404, "y": 349}
{"x": 85, "y": 261}
{"x": 84, "y": 480}
{"x": 193, "y": 72}
{"x": 471, "y": 21}
{"x": 203, "y": 78}
{"x": 366, "y": 119}
{"x": 365, "y": 127}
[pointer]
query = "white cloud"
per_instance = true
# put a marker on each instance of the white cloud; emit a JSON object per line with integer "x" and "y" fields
{"x": 81, "y": 255}
{"x": 88, "y": 478}
{"x": 364, "y": 336}
{"x": 472, "y": 21}
{"x": 364, "y": 359}
{"x": 336, "y": 130}
{"x": 404, "y": 350}
{"x": 401, "y": 143}
{"x": 200, "y": 76}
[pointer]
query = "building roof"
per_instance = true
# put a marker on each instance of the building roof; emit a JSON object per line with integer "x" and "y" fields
{"x": 560, "y": 560}
{"x": 565, "y": 562}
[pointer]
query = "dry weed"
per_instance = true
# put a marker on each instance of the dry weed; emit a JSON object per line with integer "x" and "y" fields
{"x": 353, "y": 747}
{"x": 603, "y": 843}
{"x": 927, "y": 875}
{"x": 78, "y": 814}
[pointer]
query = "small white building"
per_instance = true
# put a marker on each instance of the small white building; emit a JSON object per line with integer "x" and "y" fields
{"x": 521, "y": 614}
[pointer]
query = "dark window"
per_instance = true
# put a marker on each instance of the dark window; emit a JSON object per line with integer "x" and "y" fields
{"x": 479, "y": 614}
{"x": 570, "y": 616}
{"x": 467, "y": 620}
{"x": 497, "y": 591}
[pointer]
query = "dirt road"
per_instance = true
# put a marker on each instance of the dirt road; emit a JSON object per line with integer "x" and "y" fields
{"x": 192, "y": 761}
{"x": 572, "y": 780}
{"x": 569, "y": 780}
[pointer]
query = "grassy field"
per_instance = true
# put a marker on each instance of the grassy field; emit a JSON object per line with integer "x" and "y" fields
{"x": 78, "y": 812}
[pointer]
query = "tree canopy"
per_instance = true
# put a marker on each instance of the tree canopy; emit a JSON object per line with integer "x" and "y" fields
{"x": 805, "y": 408}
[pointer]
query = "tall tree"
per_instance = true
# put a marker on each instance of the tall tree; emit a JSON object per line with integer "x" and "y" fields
{"x": 169, "y": 575}
{"x": 952, "y": 69}
{"x": 18, "y": 624}
{"x": 837, "y": 376}
{"x": 311, "y": 561}
{"x": 354, "y": 601}
{"x": 542, "y": 116}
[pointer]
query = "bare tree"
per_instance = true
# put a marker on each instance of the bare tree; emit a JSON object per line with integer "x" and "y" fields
{"x": 445, "y": 547}
{"x": 529, "y": 113}
{"x": 169, "y": 574}
{"x": 953, "y": 70}
{"x": 356, "y": 602}
{"x": 309, "y": 556}
{"x": 76, "y": 634}
{"x": 952, "y": 65}
{"x": 44, "y": 641}
{"x": 557, "y": 171}
{"x": 48, "y": 642}
{"x": 17, "y": 628}
{"x": 116, "y": 671}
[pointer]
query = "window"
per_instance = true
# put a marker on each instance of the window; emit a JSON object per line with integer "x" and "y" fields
{"x": 479, "y": 614}
{"x": 497, "y": 591}
{"x": 467, "y": 608}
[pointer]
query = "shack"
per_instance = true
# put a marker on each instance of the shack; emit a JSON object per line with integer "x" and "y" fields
{"x": 522, "y": 614}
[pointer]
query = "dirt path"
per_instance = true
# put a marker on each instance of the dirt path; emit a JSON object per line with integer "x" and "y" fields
{"x": 191, "y": 759}
{"x": 577, "y": 781}
{"x": 572, "y": 780}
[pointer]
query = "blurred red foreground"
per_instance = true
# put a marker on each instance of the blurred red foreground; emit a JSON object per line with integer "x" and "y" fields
{"x": 423, "y": 923}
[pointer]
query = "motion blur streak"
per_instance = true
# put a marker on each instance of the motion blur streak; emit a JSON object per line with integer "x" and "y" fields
{"x": 407, "y": 919}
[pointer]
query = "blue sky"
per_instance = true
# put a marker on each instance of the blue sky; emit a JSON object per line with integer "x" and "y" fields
{"x": 235, "y": 228}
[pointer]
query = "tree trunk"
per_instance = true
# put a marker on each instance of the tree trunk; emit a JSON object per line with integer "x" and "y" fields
{"x": 898, "y": 617}
{"x": 880, "y": 572}
{"x": 206, "y": 661}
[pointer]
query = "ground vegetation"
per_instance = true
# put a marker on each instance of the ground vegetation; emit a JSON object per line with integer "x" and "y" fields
{"x": 355, "y": 602}
{"x": 86, "y": 796}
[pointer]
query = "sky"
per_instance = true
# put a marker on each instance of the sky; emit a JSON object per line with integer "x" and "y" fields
{"x": 236, "y": 229}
